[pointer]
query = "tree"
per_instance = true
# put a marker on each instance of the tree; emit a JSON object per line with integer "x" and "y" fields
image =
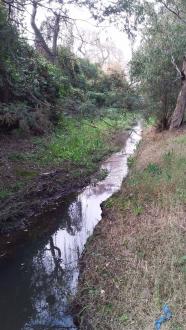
{"x": 51, "y": 53}
{"x": 178, "y": 114}
{"x": 48, "y": 33}
{"x": 175, "y": 7}
{"x": 99, "y": 48}
{"x": 151, "y": 68}
{"x": 130, "y": 14}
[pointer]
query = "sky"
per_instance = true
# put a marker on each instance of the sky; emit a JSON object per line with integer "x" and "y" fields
{"x": 119, "y": 38}
{"x": 85, "y": 22}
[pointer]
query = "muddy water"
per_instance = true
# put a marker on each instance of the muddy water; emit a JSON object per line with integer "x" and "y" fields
{"x": 36, "y": 285}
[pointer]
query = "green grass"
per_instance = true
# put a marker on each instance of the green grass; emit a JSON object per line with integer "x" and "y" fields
{"x": 80, "y": 141}
{"x": 161, "y": 182}
{"x": 77, "y": 145}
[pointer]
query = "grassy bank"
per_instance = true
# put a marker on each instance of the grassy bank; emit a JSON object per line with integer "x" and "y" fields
{"x": 37, "y": 173}
{"x": 76, "y": 146}
{"x": 136, "y": 260}
{"x": 81, "y": 141}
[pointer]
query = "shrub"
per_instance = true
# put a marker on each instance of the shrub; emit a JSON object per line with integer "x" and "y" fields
{"x": 97, "y": 98}
{"x": 88, "y": 109}
{"x": 21, "y": 116}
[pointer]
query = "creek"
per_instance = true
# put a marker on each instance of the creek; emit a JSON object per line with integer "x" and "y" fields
{"x": 36, "y": 286}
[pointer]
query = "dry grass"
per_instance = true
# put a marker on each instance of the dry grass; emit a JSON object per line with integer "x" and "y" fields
{"x": 136, "y": 261}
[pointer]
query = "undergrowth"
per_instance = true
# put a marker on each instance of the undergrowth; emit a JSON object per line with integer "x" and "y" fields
{"x": 75, "y": 148}
{"x": 80, "y": 141}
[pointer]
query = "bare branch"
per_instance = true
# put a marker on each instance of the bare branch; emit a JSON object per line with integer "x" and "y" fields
{"x": 176, "y": 67}
{"x": 175, "y": 12}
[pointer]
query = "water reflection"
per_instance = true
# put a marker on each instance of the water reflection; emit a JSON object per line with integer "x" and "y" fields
{"x": 50, "y": 272}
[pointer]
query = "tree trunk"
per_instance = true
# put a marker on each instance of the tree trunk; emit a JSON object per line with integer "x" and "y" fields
{"x": 178, "y": 114}
{"x": 40, "y": 42}
{"x": 55, "y": 37}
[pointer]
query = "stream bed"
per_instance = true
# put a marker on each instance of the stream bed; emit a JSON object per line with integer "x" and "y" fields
{"x": 36, "y": 285}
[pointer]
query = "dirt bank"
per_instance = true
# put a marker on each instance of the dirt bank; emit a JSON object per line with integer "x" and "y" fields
{"x": 30, "y": 189}
{"x": 135, "y": 262}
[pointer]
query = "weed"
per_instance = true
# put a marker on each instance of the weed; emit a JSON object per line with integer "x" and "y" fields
{"x": 108, "y": 308}
{"x": 153, "y": 169}
{"x": 150, "y": 121}
{"x": 137, "y": 209}
{"x": 168, "y": 156}
{"x": 109, "y": 203}
{"x": 4, "y": 193}
{"x": 130, "y": 161}
{"x": 123, "y": 318}
{"x": 102, "y": 174}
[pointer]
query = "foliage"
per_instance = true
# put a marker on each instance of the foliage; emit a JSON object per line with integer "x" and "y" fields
{"x": 34, "y": 92}
{"x": 151, "y": 67}
{"x": 129, "y": 13}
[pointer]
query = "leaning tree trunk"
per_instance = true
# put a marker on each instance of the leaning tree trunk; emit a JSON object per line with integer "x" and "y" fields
{"x": 178, "y": 114}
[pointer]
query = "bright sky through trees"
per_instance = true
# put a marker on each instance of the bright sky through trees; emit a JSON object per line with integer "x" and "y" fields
{"x": 84, "y": 22}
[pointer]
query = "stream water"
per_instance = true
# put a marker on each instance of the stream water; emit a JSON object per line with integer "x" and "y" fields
{"x": 36, "y": 285}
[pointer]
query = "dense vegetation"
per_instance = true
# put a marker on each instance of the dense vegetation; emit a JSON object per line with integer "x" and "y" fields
{"x": 60, "y": 115}
{"x": 156, "y": 66}
{"x": 36, "y": 87}
{"x": 57, "y": 116}
{"x": 34, "y": 92}
{"x": 152, "y": 66}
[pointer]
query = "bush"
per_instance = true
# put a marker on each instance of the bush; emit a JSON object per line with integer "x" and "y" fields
{"x": 97, "y": 98}
{"x": 21, "y": 116}
{"x": 77, "y": 94}
{"x": 34, "y": 92}
{"x": 88, "y": 109}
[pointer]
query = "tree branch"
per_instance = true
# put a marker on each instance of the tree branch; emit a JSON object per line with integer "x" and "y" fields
{"x": 39, "y": 38}
{"x": 176, "y": 67}
{"x": 176, "y": 13}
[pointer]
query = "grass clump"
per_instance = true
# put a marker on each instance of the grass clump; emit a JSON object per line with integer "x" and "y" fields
{"x": 130, "y": 161}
